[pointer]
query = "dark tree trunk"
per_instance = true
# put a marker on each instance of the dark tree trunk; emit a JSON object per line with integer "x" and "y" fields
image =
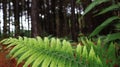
{"x": 35, "y": 19}
{"x": 5, "y": 18}
{"x": 53, "y": 16}
{"x": 74, "y": 25}
{"x": 47, "y": 17}
{"x": 28, "y": 15}
{"x": 66, "y": 21}
{"x": 16, "y": 15}
{"x": 61, "y": 18}
{"x": 0, "y": 30}
{"x": 9, "y": 33}
{"x": 57, "y": 24}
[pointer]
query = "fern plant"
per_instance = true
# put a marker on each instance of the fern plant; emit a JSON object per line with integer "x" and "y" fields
{"x": 113, "y": 36}
{"x": 53, "y": 52}
{"x": 106, "y": 22}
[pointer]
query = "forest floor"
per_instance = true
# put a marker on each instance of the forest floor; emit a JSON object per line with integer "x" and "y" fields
{"x": 7, "y": 62}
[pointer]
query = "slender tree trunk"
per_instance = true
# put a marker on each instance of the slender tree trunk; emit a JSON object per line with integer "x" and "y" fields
{"x": 47, "y": 15}
{"x": 66, "y": 22}
{"x": 34, "y": 18}
{"x": 16, "y": 15}
{"x": 57, "y": 24}
{"x": 9, "y": 32}
{"x": 0, "y": 30}
{"x": 28, "y": 15}
{"x": 61, "y": 17}
{"x": 5, "y": 18}
{"x": 53, "y": 16}
{"x": 74, "y": 31}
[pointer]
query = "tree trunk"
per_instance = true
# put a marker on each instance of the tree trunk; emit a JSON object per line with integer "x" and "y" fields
{"x": 53, "y": 17}
{"x": 5, "y": 18}
{"x": 16, "y": 15}
{"x": 74, "y": 25}
{"x": 34, "y": 19}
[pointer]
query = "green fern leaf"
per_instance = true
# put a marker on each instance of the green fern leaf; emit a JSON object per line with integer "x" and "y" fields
{"x": 31, "y": 59}
{"x": 64, "y": 46}
{"x": 112, "y": 37}
{"x": 79, "y": 51}
{"x": 98, "y": 49}
{"x": 90, "y": 44}
{"x": 68, "y": 63}
{"x": 17, "y": 47}
{"x": 46, "y": 42}
{"x": 111, "y": 51}
{"x": 15, "y": 42}
{"x": 110, "y": 8}
{"x": 47, "y": 61}
{"x": 74, "y": 64}
{"x": 58, "y": 45}
{"x": 54, "y": 61}
{"x": 25, "y": 55}
{"x": 53, "y": 43}
{"x": 40, "y": 42}
{"x": 103, "y": 25}
{"x": 20, "y": 51}
{"x": 25, "y": 40}
{"x": 85, "y": 53}
{"x": 11, "y": 45}
{"x": 92, "y": 55}
{"x": 5, "y": 40}
{"x": 20, "y": 39}
{"x": 99, "y": 62}
{"x": 69, "y": 49}
{"x": 93, "y": 4}
{"x": 61, "y": 62}
{"x": 11, "y": 41}
{"x": 99, "y": 42}
{"x": 39, "y": 60}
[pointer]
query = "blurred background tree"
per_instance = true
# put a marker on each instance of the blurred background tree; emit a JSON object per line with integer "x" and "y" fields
{"x": 60, "y": 18}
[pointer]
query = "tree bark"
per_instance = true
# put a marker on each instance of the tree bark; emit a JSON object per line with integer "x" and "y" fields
{"x": 34, "y": 19}
{"x": 16, "y": 16}
{"x": 5, "y": 18}
{"x": 74, "y": 25}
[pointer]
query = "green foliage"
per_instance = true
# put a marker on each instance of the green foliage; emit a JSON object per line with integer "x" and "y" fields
{"x": 109, "y": 37}
{"x": 103, "y": 25}
{"x": 112, "y": 37}
{"x": 53, "y": 52}
{"x": 110, "y": 8}
{"x": 78, "y": 1}
{"x": 93, "y": 4}
{"x": 117, "y": 26}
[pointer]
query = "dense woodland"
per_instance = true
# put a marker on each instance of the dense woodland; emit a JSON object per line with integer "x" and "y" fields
{"x": 60, "y": 18}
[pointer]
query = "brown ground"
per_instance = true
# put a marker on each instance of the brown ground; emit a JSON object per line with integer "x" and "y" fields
{"x": 7, "y": 62}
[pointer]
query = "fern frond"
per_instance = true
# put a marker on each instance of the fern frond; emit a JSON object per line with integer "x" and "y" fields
{"x": 93, "y": 4}
{"x": 110, "y": 8}
{"x": 103, "y": 25}
{"x": 112, "y": 37}
{"x": 53, "y": 52}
